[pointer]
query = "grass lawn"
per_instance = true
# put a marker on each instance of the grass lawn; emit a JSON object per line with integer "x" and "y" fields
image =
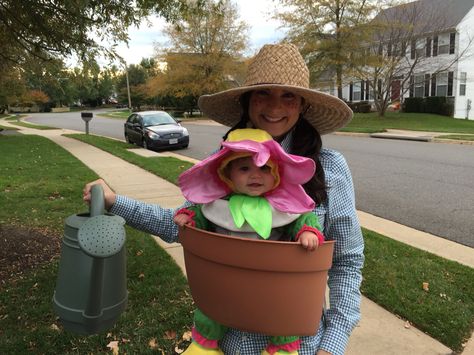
{"x": 394, "y": 274}
{"x": 371, "y": 123}
{"x": 120, "y": 114}
{"x": 123, "y": 114}
{"x": 390, "y": 279}
{"x": 464, "y": 137}
{"x": 8, "y": 128}
{"x": 42, "y": 185}
{"x": 29, "y": 125}
{"x": 168, "y": 168}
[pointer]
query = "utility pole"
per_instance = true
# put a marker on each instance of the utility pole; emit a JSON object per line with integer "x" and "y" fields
{"x": 128, "y": 91}
{"x": 128, "y": 85}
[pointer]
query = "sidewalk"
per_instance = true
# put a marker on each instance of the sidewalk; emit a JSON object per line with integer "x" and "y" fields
{"x": 379, "y": 331}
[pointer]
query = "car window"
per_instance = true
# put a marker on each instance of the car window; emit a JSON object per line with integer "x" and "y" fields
{"x": 132, "y": 118}
{"x": 158, "y": 118}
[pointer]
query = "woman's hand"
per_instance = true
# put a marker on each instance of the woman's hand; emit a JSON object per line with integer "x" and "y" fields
{"x": 109, "y": 195}
{"x": 322, "y": 352}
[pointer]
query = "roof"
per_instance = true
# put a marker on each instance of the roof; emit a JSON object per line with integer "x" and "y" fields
{"x": 428, "y": 16}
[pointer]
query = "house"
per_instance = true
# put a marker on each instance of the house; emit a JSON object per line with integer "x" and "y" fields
{"x": 433, "y": 41}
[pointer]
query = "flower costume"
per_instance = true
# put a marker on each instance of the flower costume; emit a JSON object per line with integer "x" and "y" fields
{"x": 283, "y": 212}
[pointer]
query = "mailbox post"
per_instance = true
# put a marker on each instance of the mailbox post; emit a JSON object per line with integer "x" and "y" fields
{"x": 86, "y": 117}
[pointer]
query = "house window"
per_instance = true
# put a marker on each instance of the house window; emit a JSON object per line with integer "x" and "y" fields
{"x": 420, "y": 85}
{"x": 450, "y": 83}
{"x": 452, "y": 42}
{"x": 433, "y": 84}
{"x": 356, "y": 91}
{"x": 420, "y": 47}
{"x": 398, "y": 49}
{"x": 427, "y": 85}
{"x": 417, "y": 48}
{"x": 462, "y": 83}
{"x": 428, "y": 47}
{"x": 443, "y": 43}
{"x": 442, "y": 84}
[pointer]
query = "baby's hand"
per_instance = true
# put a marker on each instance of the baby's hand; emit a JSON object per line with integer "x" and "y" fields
{"x": 309, "y": 240}
{"x": 181, "y": 219}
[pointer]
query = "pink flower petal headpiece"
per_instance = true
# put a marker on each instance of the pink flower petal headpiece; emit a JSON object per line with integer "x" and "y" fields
{"x": 202, "y": 184}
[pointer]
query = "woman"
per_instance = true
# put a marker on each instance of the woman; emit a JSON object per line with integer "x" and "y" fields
{"x": 276, "y": 98}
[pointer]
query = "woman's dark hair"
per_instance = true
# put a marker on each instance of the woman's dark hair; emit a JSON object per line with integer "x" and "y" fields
{"x": 306, "y": 142}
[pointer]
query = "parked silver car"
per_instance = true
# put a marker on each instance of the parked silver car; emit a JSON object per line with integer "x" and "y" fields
{"x": 155, "y": 130}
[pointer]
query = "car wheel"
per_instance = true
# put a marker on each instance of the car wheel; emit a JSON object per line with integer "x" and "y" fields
{"x": 127, "y": 139}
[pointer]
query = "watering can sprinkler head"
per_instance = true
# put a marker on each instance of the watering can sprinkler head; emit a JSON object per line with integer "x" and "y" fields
{"x": 100, "y": 236}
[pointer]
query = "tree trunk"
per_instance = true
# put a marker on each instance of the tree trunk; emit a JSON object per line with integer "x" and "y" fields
{"x": 339, "y": 81}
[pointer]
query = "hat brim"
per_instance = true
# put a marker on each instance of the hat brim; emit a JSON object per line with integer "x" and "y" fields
{"x": 326, "y": 113}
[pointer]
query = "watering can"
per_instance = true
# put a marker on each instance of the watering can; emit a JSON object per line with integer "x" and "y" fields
{"x": 91, "y": 290}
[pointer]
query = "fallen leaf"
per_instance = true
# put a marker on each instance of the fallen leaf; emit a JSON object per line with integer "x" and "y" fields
{"x": 426, "y": 286}
{"x": 141, "y": 276}
{"x": 169, "y": 335}
{"x": 407, "y": 325}
{"x": 54, "y": 327}
{"x": 178, "y": 350}
{"x": 152, "y": 344}
{"x": 140, "y": 252}
{"x": 113, "y": 345}
{"x": 187, "y": 336}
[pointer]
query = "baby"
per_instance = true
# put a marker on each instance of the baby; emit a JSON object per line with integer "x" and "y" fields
{"x": 250, "y": 188}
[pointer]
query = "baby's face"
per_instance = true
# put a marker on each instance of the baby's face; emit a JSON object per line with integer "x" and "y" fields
{"x": 250, "y": 179}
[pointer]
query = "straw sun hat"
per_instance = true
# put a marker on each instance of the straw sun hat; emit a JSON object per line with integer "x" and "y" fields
{"x": 279, "y": 66}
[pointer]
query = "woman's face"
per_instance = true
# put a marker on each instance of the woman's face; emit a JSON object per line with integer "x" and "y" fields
{"x": 274, "y": 110}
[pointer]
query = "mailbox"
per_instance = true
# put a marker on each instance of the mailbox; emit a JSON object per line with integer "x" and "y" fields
{"x": 86, "y": 116}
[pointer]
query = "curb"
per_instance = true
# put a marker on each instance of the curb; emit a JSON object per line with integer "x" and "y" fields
{"x": 401, "y": 137}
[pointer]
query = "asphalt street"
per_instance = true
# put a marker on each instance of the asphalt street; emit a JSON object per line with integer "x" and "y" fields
{"x": 427, "y": 186}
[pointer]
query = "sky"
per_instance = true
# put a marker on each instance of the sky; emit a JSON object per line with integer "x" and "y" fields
{"x": 255, "y": 12}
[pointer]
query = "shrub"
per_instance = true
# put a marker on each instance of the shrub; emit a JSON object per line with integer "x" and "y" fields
{"x": 413, "y": 104}
{"x": 360, "y": 107}
{"x": 440, "y": 105}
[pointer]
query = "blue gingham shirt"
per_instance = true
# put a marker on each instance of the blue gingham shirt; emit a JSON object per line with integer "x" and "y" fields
{"x": 339, "y": 220}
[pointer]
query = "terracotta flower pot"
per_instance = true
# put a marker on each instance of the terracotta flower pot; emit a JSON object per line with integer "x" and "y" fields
{"x": 269, "y": 287}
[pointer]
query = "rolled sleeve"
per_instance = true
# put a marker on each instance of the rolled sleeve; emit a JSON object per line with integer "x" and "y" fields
{"x": 149, "y": 218}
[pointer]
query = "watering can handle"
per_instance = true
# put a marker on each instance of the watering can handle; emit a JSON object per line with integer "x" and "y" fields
{"x": 97, "y": 205}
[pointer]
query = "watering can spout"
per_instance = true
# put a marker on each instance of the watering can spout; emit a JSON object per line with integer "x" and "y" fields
{"x": 91, "y": 290}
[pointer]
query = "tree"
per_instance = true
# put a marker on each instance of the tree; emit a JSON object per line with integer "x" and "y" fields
{"x": 37, "y": 97}
{"x": 138, "y": 76}
{"x": 324, "y": 32}
{"x": 206, "y": 47}
{"x": 400, "y": 45}
{"x": 12, "y": 88}
{"x": 48, "y": 29}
